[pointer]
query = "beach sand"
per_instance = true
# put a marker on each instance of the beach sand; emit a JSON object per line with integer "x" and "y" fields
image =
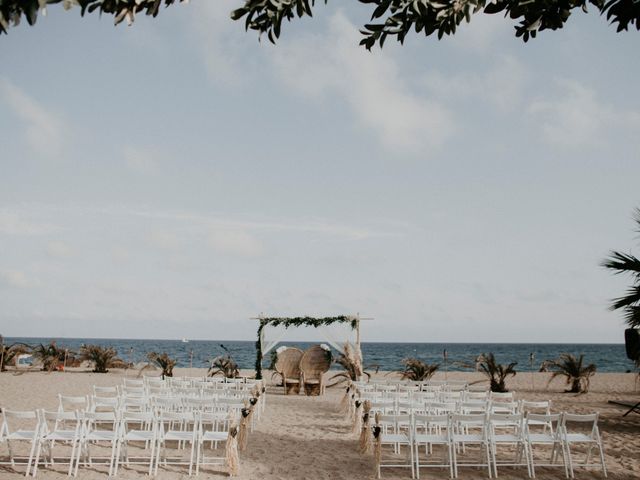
{"x": 306, "y": 438}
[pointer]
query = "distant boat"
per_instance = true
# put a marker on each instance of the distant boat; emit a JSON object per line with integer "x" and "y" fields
{"x": 184, "y": 340}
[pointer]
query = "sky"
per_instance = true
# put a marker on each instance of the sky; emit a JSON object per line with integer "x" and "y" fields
{"x": 175, "y": 178}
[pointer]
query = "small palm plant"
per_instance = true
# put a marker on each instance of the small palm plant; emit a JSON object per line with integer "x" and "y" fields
{"x": 51, "y": 356}
{"x": 577, "y": 375}
{"x": 224, "y": 364}
{"x": 496, "y": 372}
{"x": 417, "y": 370}
{"x": 163, "y": 361}
{"x": 9, "y": 353}
{"x": 349, "y": 361}
{"x": 102, "y": 358}
{"x": 621, "y": 262}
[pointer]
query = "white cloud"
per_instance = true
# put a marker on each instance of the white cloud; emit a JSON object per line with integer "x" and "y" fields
{"x": 235, "y": 242}
{"x": 44, "y": 129}
{"x": 501, "y": 85}
{"x": 59, "y": 250}
{"x": 139, "y": 159}
{"x": 14, "y": 279}
{"x": 222, "y": 41}
{"x": 575, "y": 118}
{"x": 164, "y": 239}
{"x": 12, "y": 223}
{"x": 369, "y": 82}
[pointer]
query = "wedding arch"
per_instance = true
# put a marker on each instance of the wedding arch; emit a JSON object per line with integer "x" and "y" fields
{"x": 264, "y": 344}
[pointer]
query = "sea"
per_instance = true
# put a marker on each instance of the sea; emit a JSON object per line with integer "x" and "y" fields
{"x": 381, "y": 356}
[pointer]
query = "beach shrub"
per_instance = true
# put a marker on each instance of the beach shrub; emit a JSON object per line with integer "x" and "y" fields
{"x": 163, "y": 361}
{"x": 9, "y": 353}
{"x": 224, "y": 365}
{"x": 51, "y": 356}
{"x": 577, "y": 375}
{"x": 102, "y": 358}
{"x": 417, "y": 370}
{"x": 496, "y": 372}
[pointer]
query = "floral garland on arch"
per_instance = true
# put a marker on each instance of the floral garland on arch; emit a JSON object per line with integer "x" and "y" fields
{"x": 287, "y": 322}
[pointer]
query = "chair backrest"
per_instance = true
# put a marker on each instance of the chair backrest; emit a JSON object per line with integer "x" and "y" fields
{"x": 502, "y": 396}
{"x": 288, "y": 363}
{"x": 476, "y": 396}
{"x": 504, "y": 407}
{"x": 21, "y": 419}
{"x": 394, "y": 422}
{"x": 104, "y": 403}
{"x": 51, "y": 421}
{"x": 129, "y": 382}
{"x": 315, "y": 362}
{"x": 105, "y": 391}
{"x": 442, "y": 407}
{"x": 469, "y": 420}
{"x": 71, "y": 404}
{"x": 536, "y": 407}
{"x": 425, "y": 422}
{"x": 134, "y": 391}
{"x": 572, "y": 421}
{"x": 473, "y": 407}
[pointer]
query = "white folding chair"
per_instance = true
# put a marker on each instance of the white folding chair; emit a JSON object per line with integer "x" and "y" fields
{"x": 103, "y": 404}
{"x": 571, "y": 435}
{"x": 212, "y": 428}
{"x": 470, "y": 430}
{"x": 21, "y": 433}
{"x": 177, "y": 427}
{"x": 551, "y": 438}
{"x": 543, "y": 408}
{"x": 63, "y": 427}
{"x": 515, "y": 438}
{"x": 397, "y": 431}
{"x": 432, "y": 430}
{"x": 137, "y": 428}
{"x": 94, "y": 433}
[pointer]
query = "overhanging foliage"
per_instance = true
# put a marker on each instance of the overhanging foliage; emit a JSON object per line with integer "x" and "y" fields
{"x": 395, "y": 18}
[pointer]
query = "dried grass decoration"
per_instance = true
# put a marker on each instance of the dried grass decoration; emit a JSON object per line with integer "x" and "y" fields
{"x": 244, "y": 425}
{"x": 365, "y": 432}
{"x": 357, "y": 424}
{"x": 231, "y": 450}
{"x": 377, "y": 435}
{"x": 344, "y": 403}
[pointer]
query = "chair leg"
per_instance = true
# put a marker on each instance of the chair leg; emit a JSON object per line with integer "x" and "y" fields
{"x": 31, "y": 454}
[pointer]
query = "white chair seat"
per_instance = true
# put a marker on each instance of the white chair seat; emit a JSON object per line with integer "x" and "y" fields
{"x": 542, "y": 438}
{"x": 579, "y": 437}
{"x": 63, "y": 435}
{"x": 468, "y": 438}
{"x": 139, "y": 436}
{"x": 21, "y": 435}
{"x": 100, "y": 435}
{"x": 395, "y": 438}
{"x": 506, "y": 438}
{"x": 178, "y": 435}
{"x": 215, "y": 436}
{"x": 431, "y": 438}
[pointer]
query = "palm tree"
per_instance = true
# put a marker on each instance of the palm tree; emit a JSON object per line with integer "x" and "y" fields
{"x": 621, "y": 262}
{"x": 496, "y": 372}
{"x": 163, "y": 361}
{"x": 51, "y": 356}
{"x": 417, "y": 370}
{"x": 103, "y": 358}
{"x": 224, "y": 364}
{"x": 571, "y": 367}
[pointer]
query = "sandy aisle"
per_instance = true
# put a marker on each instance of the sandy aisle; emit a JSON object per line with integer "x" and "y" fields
{"x": 305, "y": 438}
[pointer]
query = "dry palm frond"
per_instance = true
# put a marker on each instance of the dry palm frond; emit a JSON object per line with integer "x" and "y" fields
{"x": 496, "y": 372}
{"x": 417, "y": 370}
{"x": 572, "y": 368}
{"x": 102, "y": 358}
{"x": 161, "y": 360}
{"x": 225, "y": 365}
{"x": 9, "y": 353}
{"x": 51, "y": 356}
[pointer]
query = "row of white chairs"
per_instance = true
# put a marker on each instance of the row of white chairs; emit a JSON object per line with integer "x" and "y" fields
{"x": 404, "y": 386}
{"x": 519, "y": 433}
{"x": 442, "y": 396}
{"x": 80, "y": 432}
